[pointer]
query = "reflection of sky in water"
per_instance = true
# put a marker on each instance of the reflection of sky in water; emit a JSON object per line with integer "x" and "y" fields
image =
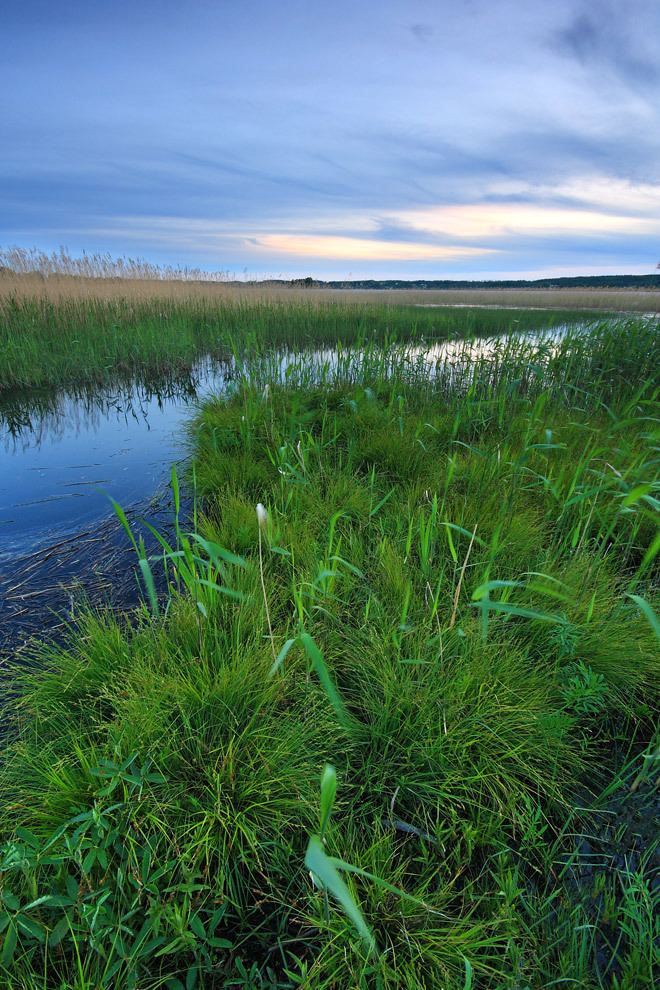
{"x": 54, "y": 457}
{"x": 56, "y": 451}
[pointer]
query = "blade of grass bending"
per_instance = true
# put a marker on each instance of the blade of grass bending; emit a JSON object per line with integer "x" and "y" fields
{"x": 380, "y": 505}
{"x": 489, "y": 605}
{"x": 348, "y": 868}
{"x": 218, "y": 553}
{"x": 121, "y": 515}
{"x": 481, "y": 600}
{"x": 648, "y": 612}
{"x": 145, "y": 568}
{"x": 176, "y": 494}
{"x": 324, "y": 870}
{"x": 323, "y": 674}
{"x": 281, "y": 657}
{"x": 636, "y": 493}
{"x": 222, "y": 589}
{"x": 649, "y": 557}
{"x": 484, "y": 589}
{"x": 175, "y": 491}
{"x": 351, "y": 567}
{"x": 463, "y": 532}
{"x": 167, "y": 547}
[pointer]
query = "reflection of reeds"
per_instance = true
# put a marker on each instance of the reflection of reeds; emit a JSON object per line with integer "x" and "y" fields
{"x": 33, "y": 416}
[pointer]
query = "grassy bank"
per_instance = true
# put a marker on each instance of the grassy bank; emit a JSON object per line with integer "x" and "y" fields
{"x": 91, "y": 340}
{"x": 449, "y": 600}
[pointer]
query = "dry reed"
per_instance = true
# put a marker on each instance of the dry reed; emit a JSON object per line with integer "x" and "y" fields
{"x": 58, "y": 277}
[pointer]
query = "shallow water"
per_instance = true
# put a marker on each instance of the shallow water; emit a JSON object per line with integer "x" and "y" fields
{"x": 62, "y": 455}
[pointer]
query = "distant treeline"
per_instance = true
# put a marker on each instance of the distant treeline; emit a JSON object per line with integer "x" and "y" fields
{"x": 571, "y": 282}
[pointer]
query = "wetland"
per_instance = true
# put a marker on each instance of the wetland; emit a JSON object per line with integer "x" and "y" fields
{"x": 356, "y": 686}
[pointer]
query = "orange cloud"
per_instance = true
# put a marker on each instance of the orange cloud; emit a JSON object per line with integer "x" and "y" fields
{"x": 475, "y": 221}
{"x": 358, "y": 248}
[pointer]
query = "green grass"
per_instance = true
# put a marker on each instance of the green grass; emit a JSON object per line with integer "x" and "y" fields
{"x": 458, "y": 573}
{"x": 89, "y": 341}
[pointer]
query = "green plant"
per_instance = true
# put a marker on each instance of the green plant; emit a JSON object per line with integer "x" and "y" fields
{"x": 96, "y": 889}
{"x": 584, "y": 690}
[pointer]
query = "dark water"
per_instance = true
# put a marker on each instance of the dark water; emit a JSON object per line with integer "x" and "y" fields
{"x": 61, "y": 455}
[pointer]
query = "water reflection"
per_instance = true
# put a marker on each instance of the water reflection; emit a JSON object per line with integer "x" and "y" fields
{"x": 32, "y": 417}
{"x": 58, "y": 449}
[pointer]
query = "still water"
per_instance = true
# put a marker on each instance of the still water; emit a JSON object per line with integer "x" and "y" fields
{"x": 61, "y": 455}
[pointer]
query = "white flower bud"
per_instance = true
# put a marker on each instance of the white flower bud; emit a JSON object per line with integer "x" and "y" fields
{"x": 262, "y": 516}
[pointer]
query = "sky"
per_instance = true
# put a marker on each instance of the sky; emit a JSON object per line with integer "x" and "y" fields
{"x": 411, "y": 139}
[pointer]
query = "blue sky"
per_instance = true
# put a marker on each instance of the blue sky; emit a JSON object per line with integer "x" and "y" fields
{"x": 366, "y": 139}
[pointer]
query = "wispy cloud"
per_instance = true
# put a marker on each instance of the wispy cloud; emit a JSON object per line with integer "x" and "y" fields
{"x": 360, "y": 249}
{"x": 606, "y": 35}
{"x": 486, "y": 221}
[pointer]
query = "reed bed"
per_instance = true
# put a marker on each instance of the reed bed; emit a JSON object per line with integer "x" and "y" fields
{"x": 93, "y": 340}
{"x": 58, "y": 278}
{"x": 404, "y": 667}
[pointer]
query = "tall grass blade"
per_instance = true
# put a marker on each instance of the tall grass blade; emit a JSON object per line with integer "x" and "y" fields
{"x": 328, "y": 794}
{"x": 326, "y": 874}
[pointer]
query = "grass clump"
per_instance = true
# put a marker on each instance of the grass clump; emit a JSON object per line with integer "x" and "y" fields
{"x": 446, "y": 601}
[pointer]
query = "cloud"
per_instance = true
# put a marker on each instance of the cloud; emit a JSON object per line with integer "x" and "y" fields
{"x": 609, "y": 194}
{"x": 591, "y": 214}
{"x": 529, "y": 131}
{"x": 484, "y": 222}
{"x": 356, "y": 248}
{"x": 598, "y": 35}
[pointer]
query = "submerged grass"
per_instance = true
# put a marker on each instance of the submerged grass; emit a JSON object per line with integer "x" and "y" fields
{"x": 446, "y": 600}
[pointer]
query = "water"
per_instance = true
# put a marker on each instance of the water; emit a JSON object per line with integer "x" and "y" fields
{"x": 61, "y": 455}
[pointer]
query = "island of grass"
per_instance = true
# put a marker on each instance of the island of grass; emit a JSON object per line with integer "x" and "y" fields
{"x": 395, "y": 728}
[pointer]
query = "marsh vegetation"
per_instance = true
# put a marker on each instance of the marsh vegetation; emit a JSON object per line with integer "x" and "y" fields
{"x": 395, "y": 728}
{"x": 81, "y": 340}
